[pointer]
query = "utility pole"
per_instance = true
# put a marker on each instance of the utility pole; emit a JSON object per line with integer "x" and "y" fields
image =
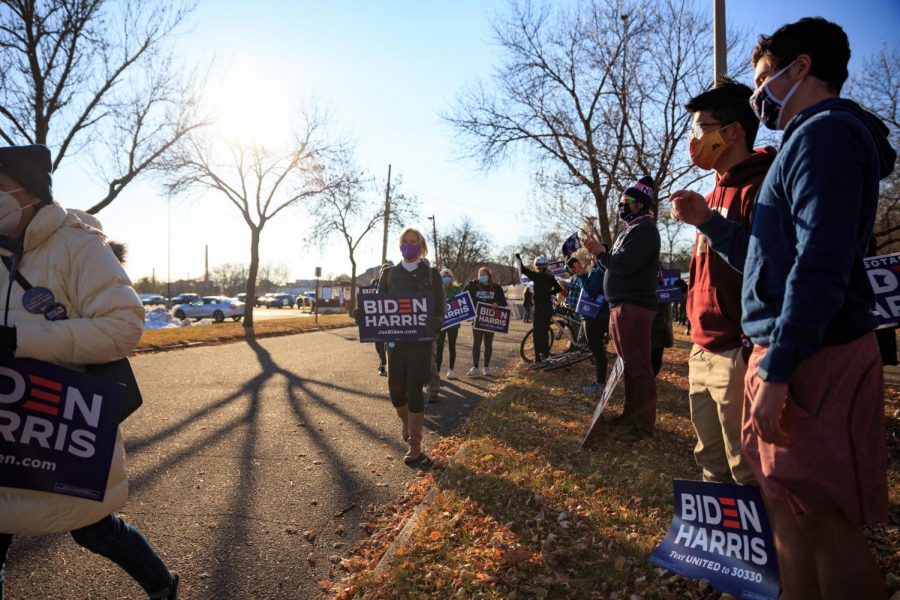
{"x": 434, "y": 238}
{"x": 387, "y": 216}
{"x": 720, "y": 50}
{"x": 206, "y": 268}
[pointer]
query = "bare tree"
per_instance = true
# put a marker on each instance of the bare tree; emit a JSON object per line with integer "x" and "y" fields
{"x": 258, "y": 181}
{"x": 544, "y": 243}
{"x": 464, "y": 247}
{"x": 353, "y": 209}
{"x": 229, "y": 278}
{"x": 878, "y": 88}
{"x": 95, "y": 77}
{"x": 595, "y": 94}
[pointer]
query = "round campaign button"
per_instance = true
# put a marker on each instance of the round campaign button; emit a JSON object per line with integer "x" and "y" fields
{"x": 56, "y": 312}
{"x": 38, "y": 300}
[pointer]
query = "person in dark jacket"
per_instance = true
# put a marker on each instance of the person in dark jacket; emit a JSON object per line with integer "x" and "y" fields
{"x": 813, "y": 427}
{"x": 379, "y": 346}
{"x": 629, "y": 284}
{"x": 545, "y": 288}
{"x": 451, "y": 289}
{"x": 661, "y": 335}
{"x": 724, "y": 128}
{"x": 484, "y": 289}
{"x": 527, "y": 304}
{"x": 409, "y": 363}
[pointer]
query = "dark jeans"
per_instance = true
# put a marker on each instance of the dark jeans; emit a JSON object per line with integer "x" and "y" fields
{"x": 629, "y": 329}
{"x": 542, "y": 330}
{"x": 488, "y": 338}
{"x": 527, "y": 316}
{"x": 121, "y": 543}
{"x": 595, "y": 331}
{"x": 382, "y": 357}
{"x": 656, "y": 356}
{"x": 450, "y": 335}
{"x": 409, "y": 368}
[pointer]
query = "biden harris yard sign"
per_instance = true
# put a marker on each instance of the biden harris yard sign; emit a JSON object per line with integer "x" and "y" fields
{"x": 720, "y": 532}
{"x": 460, "y": 308}
{"x": 490, "y": 318}
{"x": 401, "y": 317}
{"x": 884, "y": 275}
{"x": 57, "y": 428}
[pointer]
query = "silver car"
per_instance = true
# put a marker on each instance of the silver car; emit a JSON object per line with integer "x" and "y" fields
{"x": 217, "y": 308}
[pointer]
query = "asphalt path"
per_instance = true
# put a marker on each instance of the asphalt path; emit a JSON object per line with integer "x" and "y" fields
{"x": 252, "y": 466}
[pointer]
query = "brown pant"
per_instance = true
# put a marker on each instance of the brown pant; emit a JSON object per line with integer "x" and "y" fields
{"x": 629, "y": 329}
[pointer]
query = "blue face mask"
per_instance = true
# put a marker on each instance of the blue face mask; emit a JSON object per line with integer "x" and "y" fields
{"x": 483, "y": 278}
{"x": 767, "y": 106}
{"x": 446, "y": 280}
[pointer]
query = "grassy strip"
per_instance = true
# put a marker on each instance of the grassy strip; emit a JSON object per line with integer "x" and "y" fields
{"x": 230, "y": 331}
{"x": 523, "y": 514}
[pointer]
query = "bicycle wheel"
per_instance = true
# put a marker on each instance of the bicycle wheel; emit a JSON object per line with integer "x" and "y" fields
{"x": 567, "y": 361}
{"x": 526, "y": 348}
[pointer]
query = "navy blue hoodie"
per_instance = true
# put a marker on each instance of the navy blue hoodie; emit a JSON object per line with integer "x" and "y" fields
{"x": 805, "y": 285}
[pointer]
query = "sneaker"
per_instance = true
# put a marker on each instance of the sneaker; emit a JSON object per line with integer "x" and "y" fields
{"x": 486, "y": 371}
{"x": 451, "y": 374}
{"x": 595, "y": 387}
{"x": 382, "y": 371}
{"x": 473, "y": 372}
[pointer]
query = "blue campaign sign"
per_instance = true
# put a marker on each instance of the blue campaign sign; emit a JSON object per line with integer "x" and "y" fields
{"x": 720, "y": 532}
{"x": 589, "y": 307}
{"x": 57, "y": 428}
{"x": 667, "y": 292}
{"x": 557, "y": 267}
{"x": 401, "y": 317}
{"x": 494, "y": 319}
{"x": 884, "y": 275}
{"x": 459, "y": 308}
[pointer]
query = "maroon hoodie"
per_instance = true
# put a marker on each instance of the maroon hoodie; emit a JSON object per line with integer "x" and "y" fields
{"x": 714, "y": 295}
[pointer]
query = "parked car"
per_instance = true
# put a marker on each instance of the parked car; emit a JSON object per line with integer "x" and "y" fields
{"x": 242, "y": 297}
{"x": 261, "y": 300}
{"x": 184, "y": 298}
{"x": 280, "y": 301}
{"x": 152, "y": 299}
{"x": 217, "y": 308}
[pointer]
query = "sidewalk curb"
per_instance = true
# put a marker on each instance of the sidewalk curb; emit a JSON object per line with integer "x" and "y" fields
{"x": 413, "y": 520}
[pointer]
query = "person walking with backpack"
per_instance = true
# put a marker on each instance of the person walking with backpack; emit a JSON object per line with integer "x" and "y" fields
{"x": 485, "y": 290}
{"x": 410, "y": 363}
{"x": 92, "y": 316}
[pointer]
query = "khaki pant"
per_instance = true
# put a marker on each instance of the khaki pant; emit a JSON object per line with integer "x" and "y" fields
{"x": 717, "y": 397}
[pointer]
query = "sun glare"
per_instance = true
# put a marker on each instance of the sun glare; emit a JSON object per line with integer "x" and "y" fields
{"x": 247, "y": 106}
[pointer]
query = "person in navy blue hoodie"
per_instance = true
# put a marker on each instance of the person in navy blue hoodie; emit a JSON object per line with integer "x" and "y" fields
{"x": 813, "y": 427}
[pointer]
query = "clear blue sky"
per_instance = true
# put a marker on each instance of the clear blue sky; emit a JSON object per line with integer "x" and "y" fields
{"x": 385, "y": 70}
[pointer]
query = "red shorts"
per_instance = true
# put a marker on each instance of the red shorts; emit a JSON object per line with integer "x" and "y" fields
{"x": 837, "y": 457}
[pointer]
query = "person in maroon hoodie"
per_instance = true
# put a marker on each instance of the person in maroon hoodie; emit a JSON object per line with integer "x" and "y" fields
{"x": 721, "y": 138}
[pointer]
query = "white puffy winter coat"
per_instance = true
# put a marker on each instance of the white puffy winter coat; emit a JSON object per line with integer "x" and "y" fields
{"x": 65, "y": 252}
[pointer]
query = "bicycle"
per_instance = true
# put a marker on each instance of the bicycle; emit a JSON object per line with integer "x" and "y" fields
{"x": 562, "y": 323}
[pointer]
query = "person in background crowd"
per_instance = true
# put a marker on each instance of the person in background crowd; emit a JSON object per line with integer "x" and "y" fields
{"x": 681, "y": 306}
{"x": 545, "y": 287}
{"x": 721, "y": 139}
{"x": 572, "y": 291}
{"x": 629, "y": 284}
{"x": 410, "y": 363}
{"x": 451, "y": 289}
{"x": 527, "y": 304}
{"x": 596, "y": 329}
{"x": 65, "y": 252}
{"x": 661, "y": 335}
{"x": 813, "y": 424}
{"x": 379, "y": 346}
{"x": 484, "y": 289}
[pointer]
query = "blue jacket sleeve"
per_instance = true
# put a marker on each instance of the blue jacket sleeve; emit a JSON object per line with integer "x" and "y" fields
{"x": 728, "y": 239}
{"x": 592, "y": 282}
{"x": 823, "y": 174}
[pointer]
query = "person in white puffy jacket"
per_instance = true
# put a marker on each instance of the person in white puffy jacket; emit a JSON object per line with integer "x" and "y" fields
{"x": 66, "y": 253}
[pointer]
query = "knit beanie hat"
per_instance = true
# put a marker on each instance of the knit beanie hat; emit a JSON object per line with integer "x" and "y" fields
{"x": 30, "y": 166}
{"x": 641, "y": 190}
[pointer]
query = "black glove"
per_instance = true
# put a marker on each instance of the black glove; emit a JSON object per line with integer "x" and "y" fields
{"x": 7, "y": 342}
{"x": 434, "y": 324}
{"x": 357, "y": 316}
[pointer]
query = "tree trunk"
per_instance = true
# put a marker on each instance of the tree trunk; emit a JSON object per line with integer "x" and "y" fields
{"x": 352, "y": 303}
{"x": 251, "y": 279}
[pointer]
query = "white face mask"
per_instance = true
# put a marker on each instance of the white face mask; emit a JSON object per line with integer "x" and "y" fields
{"x": 10, "y": 211}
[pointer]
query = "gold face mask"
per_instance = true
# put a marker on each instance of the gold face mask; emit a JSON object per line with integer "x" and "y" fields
{"x": 705, "y": 151}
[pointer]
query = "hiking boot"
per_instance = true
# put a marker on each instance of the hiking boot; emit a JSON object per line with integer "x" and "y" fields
{"x": 416, "y": 426}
